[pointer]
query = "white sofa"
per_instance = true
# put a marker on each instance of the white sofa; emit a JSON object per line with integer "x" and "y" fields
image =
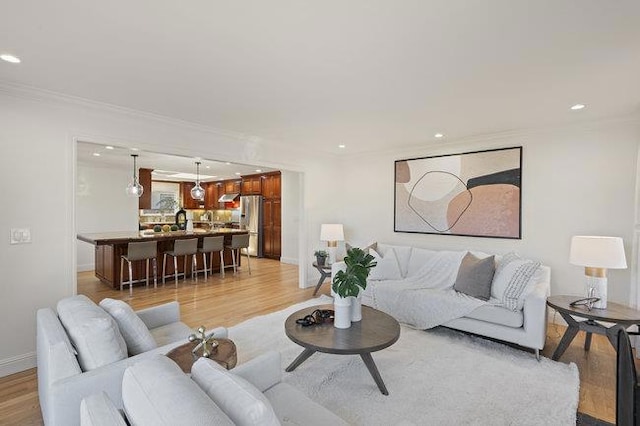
{"x": 62, "y": 383}
{"x": 156, "y": 391}
{"x": 525, "y": 327}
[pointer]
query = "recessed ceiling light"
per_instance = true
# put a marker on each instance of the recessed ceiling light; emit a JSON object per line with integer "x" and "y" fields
{"x": 10, "y": 58}
{"x": 96, "y": 154}
{"x": 135, "y": 149}
{"x": 227, "y": 163}
{"x": 577, "y": 107}
{"x": 208, "y": 167}
{"x": 238, "y": 173}
{"x": 214, "y": 176}
{"x": 258, "y": 170}
{"x": 342, "y": 146}
{"x": 438, "y": 135}
{"x": 108, "y": 147}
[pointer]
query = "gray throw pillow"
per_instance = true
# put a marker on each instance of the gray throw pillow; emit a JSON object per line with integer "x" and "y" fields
{"x": 475, "y": 276}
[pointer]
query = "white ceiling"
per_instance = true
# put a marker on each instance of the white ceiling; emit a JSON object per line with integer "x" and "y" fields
{"x": 165, "y": 167}
{"x": 371, "y": 74}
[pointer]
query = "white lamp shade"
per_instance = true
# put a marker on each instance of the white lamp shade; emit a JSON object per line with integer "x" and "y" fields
{"x": 598, "y": 252}
{"x": 331, "y": 232}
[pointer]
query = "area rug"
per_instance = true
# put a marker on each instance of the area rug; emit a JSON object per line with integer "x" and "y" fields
{"x": 434, "y": 377}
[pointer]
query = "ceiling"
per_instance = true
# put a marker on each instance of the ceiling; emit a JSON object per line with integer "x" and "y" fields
{"x": 370, "y": 74}
{"x": 165, "y": 167}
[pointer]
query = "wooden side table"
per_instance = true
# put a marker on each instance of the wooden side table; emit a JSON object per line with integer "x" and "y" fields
{"x": 224, "y": 354}
{"x": 325, "y": 272}
{"x": 621, "y": 315}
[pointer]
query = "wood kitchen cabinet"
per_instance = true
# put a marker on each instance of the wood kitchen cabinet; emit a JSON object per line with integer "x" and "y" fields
{"x": 272, "y": 223}
{"x": 144, "y": 177}
{"x": 232, "y": 186}
{"x": 271, "y": 185}
{"x": 252, "y": 185}
{"x": 211, "y": 196}
{"x": 187, "y": 200}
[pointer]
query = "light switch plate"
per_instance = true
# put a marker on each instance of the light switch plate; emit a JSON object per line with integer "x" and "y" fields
{"x": 20, "y": 236}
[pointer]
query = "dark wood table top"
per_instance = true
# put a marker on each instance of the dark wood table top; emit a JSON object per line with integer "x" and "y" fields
{"x": 123, "y": 237}
{"x": 374, "y": 332}
{"x": 614, "y": 312}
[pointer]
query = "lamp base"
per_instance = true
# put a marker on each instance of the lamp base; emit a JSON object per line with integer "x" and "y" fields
{"x": 597, "y": 287}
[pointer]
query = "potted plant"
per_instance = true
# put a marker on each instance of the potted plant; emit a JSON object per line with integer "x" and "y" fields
{"x": 321, "y": 257}
{"x": 347, "y": 283}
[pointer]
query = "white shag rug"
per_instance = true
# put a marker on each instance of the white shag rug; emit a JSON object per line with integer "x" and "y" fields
{"x": 434, "y": 377}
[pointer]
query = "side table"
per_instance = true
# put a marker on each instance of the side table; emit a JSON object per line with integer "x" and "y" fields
{"x": 325, "y": 272}
{"x": 621, "y": 315}
{"x": 224, "y": 354}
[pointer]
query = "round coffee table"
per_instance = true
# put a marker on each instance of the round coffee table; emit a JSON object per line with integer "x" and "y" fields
{"x": 374, "y": 332}
{"x": 619, "y": 315}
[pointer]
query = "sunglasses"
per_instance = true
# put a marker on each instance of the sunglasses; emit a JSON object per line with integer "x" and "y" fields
{"x": 318, "y": 316}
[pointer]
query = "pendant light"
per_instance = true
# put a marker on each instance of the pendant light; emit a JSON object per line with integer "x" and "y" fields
{"x": 197, "y": 193}
{"x": 134, "y": 189}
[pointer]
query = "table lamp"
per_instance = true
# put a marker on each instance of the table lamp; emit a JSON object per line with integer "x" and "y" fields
{"x": 331, "y": 233}
{"x": 597, "y": 254}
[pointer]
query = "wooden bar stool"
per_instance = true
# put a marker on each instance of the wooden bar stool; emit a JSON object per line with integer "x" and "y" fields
{"x": 211, "y": 245}
{"x": 239, "y": 241}
{"x": 140, "y": 251}
{"x": 181, "y": 248}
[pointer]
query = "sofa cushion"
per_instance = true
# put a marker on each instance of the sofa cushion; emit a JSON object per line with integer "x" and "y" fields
{"x": 134, "y": 331}
{"x": 98, "y": 410}
{"x": 295, "y": 408}
{"x": 387, "y": 267}
{"x": 156, "y": 392}
{"x": 513, "y": 281}
{"x": 419, "y": 257}
{"x": 475, "y": 276}
{"x": 498, "y": 315}
{"x": 93, "y": 332}
{"x": 169, "y": 333}
{"x": 240, "y": 400}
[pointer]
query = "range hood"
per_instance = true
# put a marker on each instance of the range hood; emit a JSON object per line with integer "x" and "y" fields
{"x": 228, "y": 198}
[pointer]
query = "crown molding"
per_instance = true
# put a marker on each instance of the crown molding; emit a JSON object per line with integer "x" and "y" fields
{"x": 496, "y": 139}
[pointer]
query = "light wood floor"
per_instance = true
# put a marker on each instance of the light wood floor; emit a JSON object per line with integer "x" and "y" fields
{"x": 273, "y": 286}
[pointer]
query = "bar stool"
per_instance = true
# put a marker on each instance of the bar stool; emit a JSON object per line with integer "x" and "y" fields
{"x": 181, "y": 248}
{"x": 140, "y": 251}
{"x": 211, "y": 245}
{"x": 239, "y": 241}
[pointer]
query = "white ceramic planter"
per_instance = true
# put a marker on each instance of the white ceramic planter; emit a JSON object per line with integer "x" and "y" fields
{"x": 342, "y": 309}
{"x": 356, "y": 308}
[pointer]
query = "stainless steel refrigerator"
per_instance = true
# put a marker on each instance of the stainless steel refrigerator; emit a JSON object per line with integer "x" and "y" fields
{"x": 251, "y": 220}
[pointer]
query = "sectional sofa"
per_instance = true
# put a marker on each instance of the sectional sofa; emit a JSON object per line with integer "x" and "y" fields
{"x": 408, "y": 279}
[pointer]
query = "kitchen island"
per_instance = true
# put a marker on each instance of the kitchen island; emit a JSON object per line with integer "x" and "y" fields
{"x": 109, "y": 246}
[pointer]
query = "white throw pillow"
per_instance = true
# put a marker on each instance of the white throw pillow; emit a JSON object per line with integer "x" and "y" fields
{"x": 387, "y": 267}
{"x": 239, "y": 399}
{"x": 155, "y": 391}
{"x": 513, "y": 281}
{"x": 134, "y": 331}
{"x": 94, "y": 334}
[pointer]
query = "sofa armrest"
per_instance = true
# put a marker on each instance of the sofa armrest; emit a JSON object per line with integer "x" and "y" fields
{"x": 160, "y": 315}
{"x": 535, "y": 310}
{"x": 263, "y": 372}
{"x": 65, "y": 395}
{"x": 98, "y": 410}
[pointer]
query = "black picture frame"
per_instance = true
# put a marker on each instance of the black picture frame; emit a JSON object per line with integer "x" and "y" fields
{"x": 473, "y": 194}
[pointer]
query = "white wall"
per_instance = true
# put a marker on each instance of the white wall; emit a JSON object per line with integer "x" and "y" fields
{"x": 576, "y": 181}
{"x": 37, "y": 133}
{"x": 291, "y": 209}
{"x": 102, "y": 206}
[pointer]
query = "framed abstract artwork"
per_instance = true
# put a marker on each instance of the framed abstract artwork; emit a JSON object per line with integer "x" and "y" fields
{"x": 474, "y": 194}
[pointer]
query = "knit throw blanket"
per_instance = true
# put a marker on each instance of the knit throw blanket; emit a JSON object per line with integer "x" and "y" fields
{"x": 427, "y": 299}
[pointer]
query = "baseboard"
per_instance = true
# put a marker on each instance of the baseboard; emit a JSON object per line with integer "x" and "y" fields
{"x": 289, "y": 260}
{"x": 17, "y": 364}
{"x": 85, "y": 268}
